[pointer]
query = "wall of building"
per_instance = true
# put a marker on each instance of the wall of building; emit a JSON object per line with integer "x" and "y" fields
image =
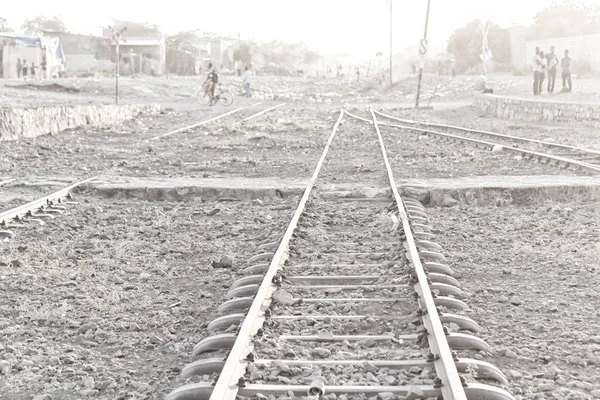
{"x": 528, "y": 110}
{"x": 518, "y": 47}
{"x": 586, "y": 47}
{"x": 74, "y": 44}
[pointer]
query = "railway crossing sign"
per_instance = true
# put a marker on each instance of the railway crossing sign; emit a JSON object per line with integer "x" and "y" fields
{"x": 423, "y": 47}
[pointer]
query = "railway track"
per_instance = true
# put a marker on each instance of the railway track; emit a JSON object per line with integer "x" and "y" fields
{"x": 221, "y": 116}
{"x": 354, "y": 300}
{"x": 559, "y": 154}
{"x": 44, "y": 208}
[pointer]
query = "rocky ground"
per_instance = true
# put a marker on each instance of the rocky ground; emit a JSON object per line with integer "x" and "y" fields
{"x": 532, "y": 276}
{"x": 107, "y": 300}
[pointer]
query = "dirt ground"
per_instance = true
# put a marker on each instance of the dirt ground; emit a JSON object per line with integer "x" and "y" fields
{"x": 107, "y": 300}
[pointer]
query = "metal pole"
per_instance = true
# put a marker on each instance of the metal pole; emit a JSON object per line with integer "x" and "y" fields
{"x": 391, "y": 47}
{"x": 422, "y": 61}
{"x": 117, "y": 75}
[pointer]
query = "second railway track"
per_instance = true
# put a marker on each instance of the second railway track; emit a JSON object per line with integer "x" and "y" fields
{"x": 355, "y": 300}
{"x": 560, "y": 154}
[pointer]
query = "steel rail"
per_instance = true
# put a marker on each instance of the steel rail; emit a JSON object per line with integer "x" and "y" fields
{"x": 186, "y": 128}
{"x": 22, "y": 210}
{"x": 2, "y": 183}
{"x": 487, "y": 133}
{"x": 226, "y": 386}
{"x": 484, "y": 143}
{"x": 258, "y": 114}
{"x": 452, "y": 388}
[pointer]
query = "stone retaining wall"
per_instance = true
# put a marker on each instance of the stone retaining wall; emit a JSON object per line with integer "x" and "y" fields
{"x": 528, "y": 110}
{"x": 17, "y": 123}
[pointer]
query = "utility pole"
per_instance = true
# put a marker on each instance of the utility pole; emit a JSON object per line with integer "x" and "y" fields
{"x": 116, "y": 38}
{"x": 391, "y": 47}
{"x": 423, "y": 52}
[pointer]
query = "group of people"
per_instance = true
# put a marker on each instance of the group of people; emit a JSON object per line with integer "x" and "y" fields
{"x": 24, "y": 70}
{"x": 548, "y": 63}
{"x": 213, "y": 78}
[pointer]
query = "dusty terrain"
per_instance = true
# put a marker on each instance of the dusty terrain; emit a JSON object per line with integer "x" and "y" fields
{"x": 107, "y": 300}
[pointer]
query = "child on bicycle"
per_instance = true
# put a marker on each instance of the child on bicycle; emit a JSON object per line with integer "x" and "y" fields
{"x": 211, "y": 82}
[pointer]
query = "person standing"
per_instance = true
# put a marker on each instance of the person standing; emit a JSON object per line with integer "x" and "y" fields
{"x": 566, "y": 72}
{"x": 543, "y": 69}
{"x": 33, "y": 68}
{"x": 537, "y": 69}
{"x": 552, "y": 60}
{"x": 25, "y": 70}
{"x": 210, "y": 83}
{"x": 247, "y": 82}
{"x": 19, "y": 69}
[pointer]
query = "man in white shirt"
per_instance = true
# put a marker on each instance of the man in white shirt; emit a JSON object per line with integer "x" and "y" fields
{"x": 247, "y": 82}
{"x": 552, "y": 60}
{"x": 537, "y": 71}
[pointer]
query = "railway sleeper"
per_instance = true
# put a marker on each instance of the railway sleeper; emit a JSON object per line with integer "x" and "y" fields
{"x": 434, "y": 267}
{"x": 256, "y": 269}
{"x": 240, "y": 303}
{"x": 261, "y": 257}
{"x": 463, "y": 322}
{"x": 225, "y": 321}
{"x": 421, "y": 227}
{"x": 5, "y": 235}
{"x": 484, "y": 369}
{"x": 203, "y": 391}
{"x": 244, "y": 291}
{"x": 214, "y": 343}
{"x": 247, "y": 280}
{"x": 426, "y": 244}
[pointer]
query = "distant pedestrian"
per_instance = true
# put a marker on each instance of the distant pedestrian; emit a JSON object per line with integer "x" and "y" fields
{"x": 44, "y": 69}
{"x": 537, "y": 71}
{"x": 453, "y": 67}
{"x": 19, "y": 69}
{"x": 247, "y": 82}
{"x": 25, "y": 70}
{"x": 566, "y": 72}
{"x": 544, "y": 68}
{"x": 33, "y": 69}
{"x": 552, "y": 60}
{"x": 357, "y": 74}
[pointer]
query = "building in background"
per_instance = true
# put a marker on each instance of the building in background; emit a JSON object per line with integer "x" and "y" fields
{"x": 36, "y": 49}
{"x": 140, "y": 54}
{"x": 86, "y": 53}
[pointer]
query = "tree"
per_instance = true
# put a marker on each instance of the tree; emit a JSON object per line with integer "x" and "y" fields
{"x": 570, "y": 18}
{"x": 4, "y": 25}
{"x": 465, "y": 44}
{"x": 143, "y": 29}
{"x": 244, "y": 53}
{"x": 311, "y": 57}
{"x": 35, "y": 25}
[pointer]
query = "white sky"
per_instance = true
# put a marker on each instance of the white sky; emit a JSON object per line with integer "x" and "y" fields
{"x": 359, "y": 27}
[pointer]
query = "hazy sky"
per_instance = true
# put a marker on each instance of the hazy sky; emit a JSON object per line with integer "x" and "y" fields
{"x": 354, "y": 26}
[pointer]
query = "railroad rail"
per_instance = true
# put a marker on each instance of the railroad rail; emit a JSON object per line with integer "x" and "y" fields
{"x": 560, "y": 160}
{"x": 6, "y": 181}
{"x": 347, "y": 302}
{"x": 218, "y": 117}
{"x": 37, "y": 210}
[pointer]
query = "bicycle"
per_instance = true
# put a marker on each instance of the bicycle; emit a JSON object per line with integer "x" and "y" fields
{"x": 221, "y": 95}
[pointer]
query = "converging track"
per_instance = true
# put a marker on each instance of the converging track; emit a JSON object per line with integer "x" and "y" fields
{"x": 218, "y": 117}
{"x": 354, "y": 300}
{"x": 559, "y": 154}
{"x": 37, "y": 210}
